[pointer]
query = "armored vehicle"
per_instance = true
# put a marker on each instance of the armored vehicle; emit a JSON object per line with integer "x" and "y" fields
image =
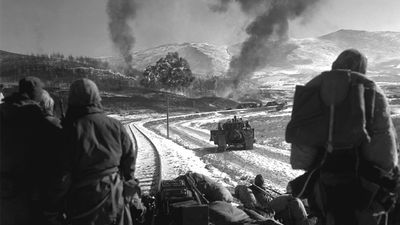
{"x": 235, "y": 132}
{"x": 245, "y": 105}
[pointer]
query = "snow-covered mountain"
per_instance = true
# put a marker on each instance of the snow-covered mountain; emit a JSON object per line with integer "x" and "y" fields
{"x": 381, "y": 48}
{"x": 296, "y": 60}
{"x": 203, "y": 58}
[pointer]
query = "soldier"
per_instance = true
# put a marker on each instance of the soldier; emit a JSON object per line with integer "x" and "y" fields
{"x": 24, "y": 139}
{"x": 287, "y": 208}
{"x": 359, "y": 155}
{"x": 219, "y": 126}
{"x": 100, "y": 157}
{"x": 241, "y": 123}
{"x": 247, "y": 125}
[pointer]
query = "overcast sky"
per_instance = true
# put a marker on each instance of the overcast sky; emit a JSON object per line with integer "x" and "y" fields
{"x": 80, "y": 27}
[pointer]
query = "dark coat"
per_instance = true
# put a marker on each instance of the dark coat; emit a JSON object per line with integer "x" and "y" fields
{"x": 382, "y": 148}
{"x": 28, "y": 142}
{"x": 97, "y": 145}
{"x": 98, "y": 153}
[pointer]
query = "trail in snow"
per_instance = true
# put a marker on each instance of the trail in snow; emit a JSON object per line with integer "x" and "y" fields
{"x": 240, "y": 165}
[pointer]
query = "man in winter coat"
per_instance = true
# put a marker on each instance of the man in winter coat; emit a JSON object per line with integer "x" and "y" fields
{"x": 100, "y": 158}
{"x": 287, "y": 208}
{"x": 24, "y": 134}
{"x": 337, "y": 193}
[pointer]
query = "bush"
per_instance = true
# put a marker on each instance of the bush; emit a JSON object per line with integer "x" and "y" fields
{"x": 171, "y": 72}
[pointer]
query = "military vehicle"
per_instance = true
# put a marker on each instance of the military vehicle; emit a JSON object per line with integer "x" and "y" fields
{"x": 245, "y": 105}
{"x": 236, "y": 132}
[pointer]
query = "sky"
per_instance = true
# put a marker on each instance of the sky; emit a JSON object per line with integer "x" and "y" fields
{"x": 80, "y": 27}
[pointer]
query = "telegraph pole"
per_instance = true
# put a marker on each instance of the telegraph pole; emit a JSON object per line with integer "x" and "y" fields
{"x": 167, "y": 116}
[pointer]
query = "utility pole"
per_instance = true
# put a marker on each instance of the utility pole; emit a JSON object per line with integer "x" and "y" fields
{"x": 167, "y": 116}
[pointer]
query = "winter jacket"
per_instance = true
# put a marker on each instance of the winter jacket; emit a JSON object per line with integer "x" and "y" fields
{"x": 381, "y": 148}
{"x": 28, "y": 143}
{"x": 97, "y": 145}
{"x": 288, "y": 209}
{"x": 98, "y": 154}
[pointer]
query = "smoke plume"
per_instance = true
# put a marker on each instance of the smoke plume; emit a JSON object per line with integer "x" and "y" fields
{"x": 266, "y": 32}
{"x": 120, "y": 12}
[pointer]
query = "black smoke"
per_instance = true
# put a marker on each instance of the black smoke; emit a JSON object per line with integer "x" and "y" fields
{"x": 268, "y": 30}
{"x": 120, "y": 12}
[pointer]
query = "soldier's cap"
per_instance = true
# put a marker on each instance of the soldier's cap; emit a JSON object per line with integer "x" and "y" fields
{"x": 32, "y": 87}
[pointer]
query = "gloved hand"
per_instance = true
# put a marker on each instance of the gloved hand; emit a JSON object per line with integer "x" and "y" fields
{"x": 131, "y": 187}
{"x": 138, "y": 210}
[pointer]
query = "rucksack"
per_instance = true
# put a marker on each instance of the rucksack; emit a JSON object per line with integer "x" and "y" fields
{"x": 339, "y": 94}
{"x": 209, "y": 188}
{"x": 333, "y": 115}
{"x": 328, "y": 113}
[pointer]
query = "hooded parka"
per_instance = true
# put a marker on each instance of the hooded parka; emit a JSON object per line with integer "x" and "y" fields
{"x": 338, "y": 193}
{"x": 99, "y": 153}
{"x": 27, "y": 146}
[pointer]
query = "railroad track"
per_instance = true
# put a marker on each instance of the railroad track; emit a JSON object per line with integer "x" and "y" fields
{"x": 148, "y": 163}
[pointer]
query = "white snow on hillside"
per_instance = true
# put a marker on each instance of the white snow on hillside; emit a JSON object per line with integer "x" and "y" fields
{"x": 296, "y": 60}
{"x": 204, "y": 59}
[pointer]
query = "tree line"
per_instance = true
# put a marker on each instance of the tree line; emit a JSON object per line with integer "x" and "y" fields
{"x": 170, "y": 73}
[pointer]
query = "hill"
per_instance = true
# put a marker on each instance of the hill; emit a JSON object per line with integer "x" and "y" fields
{"x": 307, "y": 57}
{"x": 293, "y": 62}
{"x": 4, "y": 55}
{"x": 378, "y": 46}
{"x": 58, "y": 70}
{"x": 203, "y": 58}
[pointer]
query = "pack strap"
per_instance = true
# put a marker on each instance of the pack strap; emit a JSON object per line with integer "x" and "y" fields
{"x": 329, "y": 144}
{"x": 380, "y": 215}
{"x": 114, "y": 178}
{"x": 329, "y": 148}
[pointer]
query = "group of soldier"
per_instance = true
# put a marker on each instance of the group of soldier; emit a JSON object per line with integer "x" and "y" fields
{"x": 235, "y": 122}
{"x": 76, "y": 171}
{"x": 80, "y": 170}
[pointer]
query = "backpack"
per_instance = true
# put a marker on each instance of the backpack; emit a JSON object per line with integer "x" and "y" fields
{"x": 207, "y": 187}
{"x": 336, "y": 105}
{"x": 334, "y": 117}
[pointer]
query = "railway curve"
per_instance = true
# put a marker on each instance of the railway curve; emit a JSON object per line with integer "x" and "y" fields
{"x": 148, "y": 171}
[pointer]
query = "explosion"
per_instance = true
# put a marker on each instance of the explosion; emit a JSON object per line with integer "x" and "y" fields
{"x": 269, "y": 28}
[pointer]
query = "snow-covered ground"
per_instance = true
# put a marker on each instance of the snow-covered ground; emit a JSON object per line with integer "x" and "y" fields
{"x": 189, "y": 148}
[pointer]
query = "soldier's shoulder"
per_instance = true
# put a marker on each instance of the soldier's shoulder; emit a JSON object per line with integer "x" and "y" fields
{"x": 315, "y": 81}
{"x": 362, "y": 78}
